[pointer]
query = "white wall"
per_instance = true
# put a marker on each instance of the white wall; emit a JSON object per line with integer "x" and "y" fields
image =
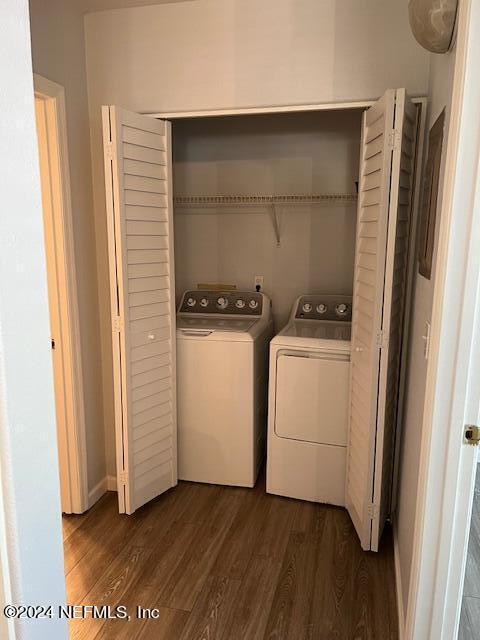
{"x": 282, "y": 154}
{"x": 212, "y": 54}
{"x": 231, "y": 53}
{"x": 439, "y": 94}
{"x": 28, "y": 452}
{"x": 6, "y": 625}
{"x": 58, "y": 51}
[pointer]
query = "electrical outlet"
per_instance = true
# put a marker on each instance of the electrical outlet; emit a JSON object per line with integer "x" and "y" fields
{"x": 259, "y": 282}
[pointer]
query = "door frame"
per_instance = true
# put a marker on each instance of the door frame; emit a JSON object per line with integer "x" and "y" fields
{"x": 271, "y": 110}
{"x": 447, "y": 465}
{"x": 71, "y": 435}
{"x": 261, "y": 110}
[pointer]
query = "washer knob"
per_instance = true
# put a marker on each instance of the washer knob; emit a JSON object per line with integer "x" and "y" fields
{"x": 321, "y": 308}
{"x": 253, "y": 304}
{"x": 307, "y": 307}
{"x": 240, "y": 304}
{"x": 341, "y": 309}
{"x": 222, "y": 303}
{"x": 204, "y": 302}
{"x": 191, "y": 302}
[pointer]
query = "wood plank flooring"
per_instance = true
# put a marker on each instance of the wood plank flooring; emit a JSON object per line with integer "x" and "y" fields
{"x": 470, "y": 616}
{"x": 223, "y": 563}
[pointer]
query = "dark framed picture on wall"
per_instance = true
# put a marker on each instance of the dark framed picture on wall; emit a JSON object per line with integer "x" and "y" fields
{"x": 428, "y": 212}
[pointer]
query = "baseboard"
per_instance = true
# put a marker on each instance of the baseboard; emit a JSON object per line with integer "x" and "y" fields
{"x": 398, "y": 586}
{"x": 97, "y": 492}
{"x": 109, "y": 483}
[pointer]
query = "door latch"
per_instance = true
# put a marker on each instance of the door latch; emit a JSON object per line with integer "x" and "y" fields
{"x": 472, "y": 434}
{"x": 53, "y": 343}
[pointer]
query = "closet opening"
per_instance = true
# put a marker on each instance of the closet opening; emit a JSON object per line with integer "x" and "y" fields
{"x": 261, "y": 203}
{"x": 222, "y": 229}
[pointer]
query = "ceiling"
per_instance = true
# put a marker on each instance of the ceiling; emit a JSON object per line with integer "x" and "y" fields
{"x": 88, "y": 6}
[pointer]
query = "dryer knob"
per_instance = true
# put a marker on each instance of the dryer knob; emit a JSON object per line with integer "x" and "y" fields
{"x": 204, "y": 302}
{"x": 341, "y": 309}
{"x": 253, "y": 304}
{"x": 240, "y": 304}
{"x": 222, "y": 303}
{"x": 191, "y": 302}
{"x": 321, "y": 308}
{"x": 307, "y": 307}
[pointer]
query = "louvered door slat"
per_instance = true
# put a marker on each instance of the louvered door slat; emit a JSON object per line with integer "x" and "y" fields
{"x": 143, "y": 154}
{"x": 145, "y": 256}
{"x": 138, "y": 180}
{"x": 141, "y": 183}
{"x": 147, "y": 169}
{"x": 148, "y": 270}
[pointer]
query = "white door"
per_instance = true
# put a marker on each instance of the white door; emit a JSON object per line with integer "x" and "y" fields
{"x": 55, "y": 301}
{"x": 387, "y": 165}
{"x": 138, "y": 174}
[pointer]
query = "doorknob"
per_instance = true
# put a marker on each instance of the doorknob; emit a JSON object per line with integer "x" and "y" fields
{"x": 359, "y": 349}
{"x": 472, "y": 434}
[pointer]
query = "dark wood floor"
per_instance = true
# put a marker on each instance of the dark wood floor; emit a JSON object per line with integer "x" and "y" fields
{"x": 229, "y": 564}
{"x": 470, "y": 617}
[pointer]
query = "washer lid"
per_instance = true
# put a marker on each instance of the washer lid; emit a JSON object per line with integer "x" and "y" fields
{"x": 236, "y": 325}
{"x": 317, "y": 329}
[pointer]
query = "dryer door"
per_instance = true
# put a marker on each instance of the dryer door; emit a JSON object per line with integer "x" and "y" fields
{"x": 312, "y": 397}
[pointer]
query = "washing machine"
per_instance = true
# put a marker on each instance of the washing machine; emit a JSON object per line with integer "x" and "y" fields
{"x": 222, "y": 377}
{"x": 309, "y": 400}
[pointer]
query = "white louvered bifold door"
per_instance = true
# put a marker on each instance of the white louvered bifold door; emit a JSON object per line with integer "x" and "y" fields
{"x": 138, "y": 177}
{"x": 399, "y": 229}
{"x": 380, "y": 271}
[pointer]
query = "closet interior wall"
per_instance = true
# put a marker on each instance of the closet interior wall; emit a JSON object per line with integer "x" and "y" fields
{"x": 275, "y": 154}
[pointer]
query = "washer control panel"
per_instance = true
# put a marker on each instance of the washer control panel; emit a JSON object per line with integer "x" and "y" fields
{"x": 324, "y": 307}
{"x": 241, "y": 303}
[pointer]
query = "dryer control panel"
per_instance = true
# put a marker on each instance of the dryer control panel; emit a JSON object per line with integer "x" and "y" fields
{"x": 324, "y": 307}
{"x": 237, "y": 303}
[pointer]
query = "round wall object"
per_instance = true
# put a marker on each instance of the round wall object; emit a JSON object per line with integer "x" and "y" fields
{"x": 433, "y": 23}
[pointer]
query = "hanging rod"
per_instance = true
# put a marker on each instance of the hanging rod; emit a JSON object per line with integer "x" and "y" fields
{"x": 256, "y": 200}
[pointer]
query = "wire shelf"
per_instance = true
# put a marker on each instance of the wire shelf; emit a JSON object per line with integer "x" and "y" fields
{"x": 258, "y": 204}
{"x": 256, "y": 200}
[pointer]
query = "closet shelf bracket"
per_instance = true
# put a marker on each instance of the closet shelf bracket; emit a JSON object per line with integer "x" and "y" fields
{"x": 275, "y": 223}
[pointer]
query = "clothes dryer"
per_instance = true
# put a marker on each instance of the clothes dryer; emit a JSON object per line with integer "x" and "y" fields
{"x": 309, "y": 399}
